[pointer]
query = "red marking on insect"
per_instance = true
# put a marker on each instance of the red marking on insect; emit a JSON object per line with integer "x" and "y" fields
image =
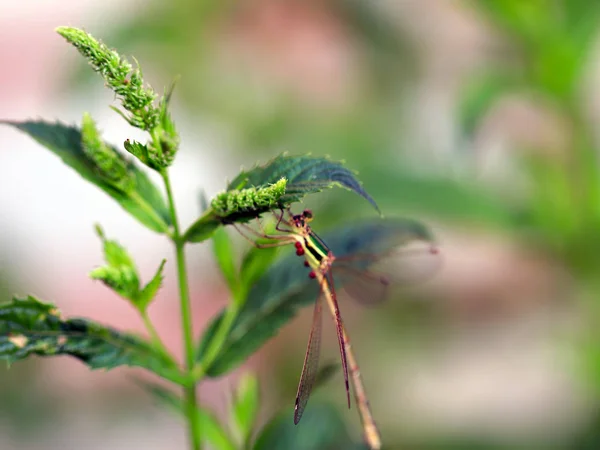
{"x": 306, "y": 263}
{"x": 312, "y": 274}
{"x": 298, "y": 245}
{"x": 300, "y": 251}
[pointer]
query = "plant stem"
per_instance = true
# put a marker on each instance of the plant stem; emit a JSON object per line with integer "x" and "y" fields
{"x": 217, "y": 342}
{"x": 191, "y": 406}
{"x": 154, "y": 334}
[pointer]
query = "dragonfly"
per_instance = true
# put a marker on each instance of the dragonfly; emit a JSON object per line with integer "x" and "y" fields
{"x": 361, "y": 283}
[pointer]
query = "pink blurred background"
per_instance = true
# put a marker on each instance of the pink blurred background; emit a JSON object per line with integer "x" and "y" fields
{"x": 501, "y": 366}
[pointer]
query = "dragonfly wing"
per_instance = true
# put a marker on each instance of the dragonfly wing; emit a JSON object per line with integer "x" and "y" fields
{"x": 364, "y": 286}
{"x": 311, "y": 362}
{"x": 370, "y": 278}
{"x": 339, "y": 327}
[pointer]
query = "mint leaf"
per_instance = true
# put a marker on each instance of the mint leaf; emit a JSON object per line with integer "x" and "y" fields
{"x": 276, "y": 184}
{"x": 142, "y": 200}
{"x": 121, "y": 274}
{"x": 146, "y": 295}
{"x": 31, "y": 327}
{"x": 223, "y": 251}
{"x": 304, "y": 174}
{"x": 245, "y": 407}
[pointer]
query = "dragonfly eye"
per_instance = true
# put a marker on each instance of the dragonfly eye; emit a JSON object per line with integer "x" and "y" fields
{"x": 307, "y": 213}
{"x": 298, "y": 220}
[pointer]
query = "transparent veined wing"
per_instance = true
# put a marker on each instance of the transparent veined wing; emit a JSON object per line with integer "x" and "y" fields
{"x": 386, "y": 255}
{"x": 311, "y": 362}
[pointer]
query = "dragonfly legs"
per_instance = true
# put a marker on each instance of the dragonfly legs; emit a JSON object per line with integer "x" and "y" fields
{"x": 280, "y": 220}
{"x": 281, "y": 240}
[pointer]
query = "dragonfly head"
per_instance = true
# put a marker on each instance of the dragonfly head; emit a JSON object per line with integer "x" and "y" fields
{"x": 301, "y": 220}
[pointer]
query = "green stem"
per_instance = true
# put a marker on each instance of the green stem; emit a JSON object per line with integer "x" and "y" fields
{"x": 156, "y": 340}
{"x": 191, "y": 405}
{"x": 216, "y": 343}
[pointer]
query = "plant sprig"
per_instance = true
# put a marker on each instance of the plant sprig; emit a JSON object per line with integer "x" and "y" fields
{"x": 136, "y": 97}
{"x": 32, "y": 327}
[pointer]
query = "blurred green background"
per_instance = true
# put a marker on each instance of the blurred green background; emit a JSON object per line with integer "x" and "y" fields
{"x": 477, "y": 117}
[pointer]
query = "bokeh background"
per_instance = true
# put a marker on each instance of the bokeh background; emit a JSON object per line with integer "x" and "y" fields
{"x": 478, "y": 117}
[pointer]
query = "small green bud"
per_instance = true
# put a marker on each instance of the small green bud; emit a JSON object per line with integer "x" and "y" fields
{"x": 162, "y": 150}
{"x": 121, "y": 275}
{"x": 108, "y": 163}
{"x": 137, "y": 149}
{"x": 122, "y": 279}
{"x": 120, "y": 76}
{"x": 250, "y": 199}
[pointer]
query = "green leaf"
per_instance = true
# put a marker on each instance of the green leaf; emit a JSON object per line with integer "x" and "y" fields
{"x": 114, "y": 253}
{"x": 305, "y": 175}
{"x": 203, "y": 201}
{"x": 480, "y": 95}
{"x": 326, "y": 373}
{"x": 285, "y": 287}
{"x": 530, "y": 21}
{"x": 435, "y": 196}
{"x": 255, "y": 263}
{"x": 223, "y": 250}
{"x": 557, "y": 66}
{"x": 31, "y": 327}
{"x": 164, "y": 396}
{"x": 213, "y": 432}
{"x": 123, "y": 280}
{"x": 277, "y": 184}
{"x": 109, "y": 164}
{"x": 245, "y": 407}
{"x": 321, "y": 428}
{"x": 203, "y": 228}
{"x": 556, "y": 40}
{"x": 167, "y": 134}
{"x": 147, "y": 294}
{"x": 144, "y": 202}
{"x": 140, "y": 151}
{"x": 120, "y": 274}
